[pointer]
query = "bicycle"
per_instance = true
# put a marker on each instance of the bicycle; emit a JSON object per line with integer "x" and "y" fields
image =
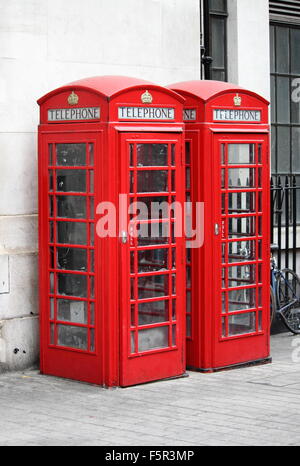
{"x": 285, "y": 296}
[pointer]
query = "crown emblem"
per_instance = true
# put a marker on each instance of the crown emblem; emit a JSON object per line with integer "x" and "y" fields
{"x": 146, "y": 98}
{"x": 73, "y": 99}
{"x": 237, "y": 100}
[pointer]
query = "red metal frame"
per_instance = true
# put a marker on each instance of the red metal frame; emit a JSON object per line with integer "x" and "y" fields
{"x": 104, "y": 263}
{"x": 210, "y": 346}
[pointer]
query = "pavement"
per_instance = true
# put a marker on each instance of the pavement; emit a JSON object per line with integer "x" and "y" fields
{"x": 253, "y": 406}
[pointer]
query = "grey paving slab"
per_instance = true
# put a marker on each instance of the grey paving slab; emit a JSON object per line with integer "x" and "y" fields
{"x": 251, "y": 406}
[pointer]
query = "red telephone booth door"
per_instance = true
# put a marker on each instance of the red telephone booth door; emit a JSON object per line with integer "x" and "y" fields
{"x": 70, "y": 344}
{"x": 152, "y": 336}
{"x": 241, "y": 176}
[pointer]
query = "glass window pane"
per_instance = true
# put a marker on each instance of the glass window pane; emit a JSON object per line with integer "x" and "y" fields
{"x": 154, "y": 207}
{"x": 218, "y": 75}
{"x": 245, "y": 226}
{"x": 283, "y": 100}
{"x": 273, "y": 148}
{"x": 152, "y": 181}
{"x": 72, "y": 337}
{"x": 239, "y": 203}
{"x": 295, "y": 100}
{"x": 72, "y": 285}
{"x": 217, "y": 5}
{"x": 154, "y": 260}
{"x": 273, "y": 99}
{"x": 241, "y": 154}
{"x": 242, "y": 251}
{"x": 72, "y": 311}
{"x": 71, "y": 207}
{"x": 91, "y": 154}
{"x": 155, "y": 234}
{"x": 296, "y": 149}
{"x": 71, "y": 233}
{"x": 187, "y": 153}
{"x": 242, "y": 324}
{"x": 239, "y": 178}
{"x": 218, "y": 41}
{"x": 241, "y": 276}
{"x": 70, "y": 154}
{"x": 152, "y": 155}
{"x": 283, "y": 149}
{"x": 153, "y": 313}
{"x": 295, "y": 51}
{"x": 188, "y": 302}
{"x": 71, "y": 181}
{"x": 242, "y": 299}
{"x": 72, "y": 259}
{"x": 282, "y": 50}
{"x": 272, "y": 48}
{"x": 153, "y": 338}
{"x": 153, "y": 286}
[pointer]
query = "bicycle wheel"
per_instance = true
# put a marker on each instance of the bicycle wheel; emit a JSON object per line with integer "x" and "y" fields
{"x": 272, "y": 305}
{"x": 288, "y": 292}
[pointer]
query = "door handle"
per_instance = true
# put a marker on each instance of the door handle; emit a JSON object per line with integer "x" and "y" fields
{"x": 124, "y": 237}
{"x": 217, "y": 229}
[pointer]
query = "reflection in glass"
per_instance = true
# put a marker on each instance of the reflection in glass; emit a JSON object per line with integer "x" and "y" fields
{"x": 92, "y": 287}
{"x": 244, "y": 226}
{"x": 52, "y": 334}
{"x": 242, "y": 299}
{"x": 241, "y": 154}
{"x": 153, "y": 286}
{"x": 132, "y": 313}
{"x": 152, "y": 155}
{"x": 91, "y": 154}
{"x": 71, "y": 207}
{"x": 153, "y": 338}
{"x": 52, "y": 309}
{"x": 239, "y": 178}
{"x": 92, "y": 339}
{"x": 51, "y": 180}
{"x": 70, "y": 154}
{"x": 188, "y": 326}
{"x": 72, "y": 337}
{"x": 243, "y": 251}
{"x": 71, "y": 181}
{"x": 92, "y": 313}
{"x": 71, "y": 233}
{"x": 188, "y": 178}
{"x": 72, "y": 259}
{"x": 173, "y": 153}
{"x": 188, "y": 302}
{"x": 154, "y": 260}
{"x": 154, "y": 207}
{"x": 242, "y": 324}
{"x": 155, "y": 234}
{"x": 152, "y": 181}
{"x": 240, "y": 203}
{"x": 241, "y": 276}
{"x": 153, "y": 313}
{"x": 72, "y": 311}
{"x": 51, "y": 207}
{"x": 72, "y": 285}
{"x": 50, "y": 154}
{"x": 92, "y": 187}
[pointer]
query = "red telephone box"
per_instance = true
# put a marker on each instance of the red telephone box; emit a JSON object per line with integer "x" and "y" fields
{"x": 111, "y": 273}
{"x": 227, "y": 163}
